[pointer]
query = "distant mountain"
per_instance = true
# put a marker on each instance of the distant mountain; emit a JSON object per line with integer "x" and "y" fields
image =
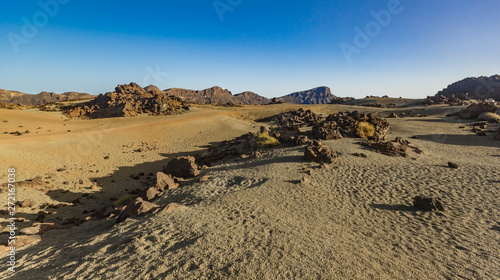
{"x": 16, "y": 97}
{"x": 206, "y": 96}
{"x": 250, "y": 98}
{"x": 319, "y": 95}
{"x": 216, "y": 95}
{"x": 476, "y": 88}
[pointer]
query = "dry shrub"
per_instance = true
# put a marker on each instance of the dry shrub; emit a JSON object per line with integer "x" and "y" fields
{"x": 266, "y": 141}
{"x": 365, "y": 130}
{"x": 490, "y": 117}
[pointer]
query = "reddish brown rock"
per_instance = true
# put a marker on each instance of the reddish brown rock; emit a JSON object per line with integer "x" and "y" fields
{"x": 184, "y": 167}
{"x": 165, "y": 182}
{"x": 38, "y": 228}
{"x": 317, "y": 152}
{"x": 137, "y": 207}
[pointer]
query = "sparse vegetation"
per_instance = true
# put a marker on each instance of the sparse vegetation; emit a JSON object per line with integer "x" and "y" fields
{"x": 490, "y": 117}
{"x": 365, "y": 130}
{"x": 266, "y": 141}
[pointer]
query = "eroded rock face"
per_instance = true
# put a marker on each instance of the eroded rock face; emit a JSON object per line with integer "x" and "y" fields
{"x": 128, "y": 101}
{"x": 317, "y": 152}
{"x": 473, "y": 111}
{"x": 479, "y": 88}
{"x": 184, "y": 167}
{"x": 428, "y": 203}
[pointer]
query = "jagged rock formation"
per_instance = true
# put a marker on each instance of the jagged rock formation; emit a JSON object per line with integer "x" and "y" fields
{"x": 319, "y": 95}
{"x": 207, "y": 96}
{"x": 128, "y": 101}
{"x": 480, "y": 88}
{"x": 19, "y": 98}
{"x": 250, "y": 98}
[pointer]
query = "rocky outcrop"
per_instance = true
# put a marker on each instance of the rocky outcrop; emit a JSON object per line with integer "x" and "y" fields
{"x": 251, "y": 98}
{"x": 213, "y": 95}
{"x": 479, "y": 88}
{"x": 295, "y": 118}
{"x": 128, "y": 101}
{"x": 475, "y": 110}
{"x": 319, "y": 95}
{"x": 317, "y": 152}
{"x": 345, "y": 124}
{"x": 19, "y": 98}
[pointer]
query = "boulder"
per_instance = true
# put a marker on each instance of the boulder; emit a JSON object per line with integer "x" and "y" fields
{"x": 25, "y": 203}
{"x": 137, "y": 207}
{"x": 151, "y": 193}
{"x": 184, "y": 167}
{"x": 317, "y": 152}
{"x": 38, "y": 228}
{"x": 428, "y": 203}
{"x": 165, "y": 182}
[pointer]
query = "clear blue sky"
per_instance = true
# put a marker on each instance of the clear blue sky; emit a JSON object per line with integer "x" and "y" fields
{"x": 270, "y": 47}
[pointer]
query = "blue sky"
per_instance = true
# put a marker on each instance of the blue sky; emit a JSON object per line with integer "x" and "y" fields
{"x": 270, "y": 47}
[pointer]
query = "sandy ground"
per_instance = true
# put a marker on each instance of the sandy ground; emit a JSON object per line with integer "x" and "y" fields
{"x": 253, "y": 219}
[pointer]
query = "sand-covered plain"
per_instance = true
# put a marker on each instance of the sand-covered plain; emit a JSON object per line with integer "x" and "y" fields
{"x": 253, "y": 219}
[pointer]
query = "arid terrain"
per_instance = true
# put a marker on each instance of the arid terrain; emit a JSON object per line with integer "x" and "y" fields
{"x": 269, "y": 216}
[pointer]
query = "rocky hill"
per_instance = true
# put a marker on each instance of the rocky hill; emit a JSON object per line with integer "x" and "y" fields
{"x": 128, "y": 101}
{"x": 319, "y": 95}
{"x": 470, "y": 88}
{"x": 16, "y": 97}
{"x": 213, "y": 95}
{"x": 250, "y": 98}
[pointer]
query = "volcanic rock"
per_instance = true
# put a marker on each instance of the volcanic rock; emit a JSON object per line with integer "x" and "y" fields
{"x": 473, "y": 111}
{"x": 296, "y": 118}
{"x": 128, "y": 101}
{"x": 452, "y": 165}
{"x": 317, "y": 152}
{"x": 251, "y": 98}
{"x": 137, "y": 207}
{"x": 184, "y": 167}
{"x": 165, "y": 182}
{"x": 428, "y": 203}
{"x": 319, "y": 95}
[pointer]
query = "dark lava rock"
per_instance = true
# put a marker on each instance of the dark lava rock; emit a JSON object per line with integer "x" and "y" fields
{"x": 317, "y": 152}
{"x": 428, "y": 203}
{"x": 184, "y": 167}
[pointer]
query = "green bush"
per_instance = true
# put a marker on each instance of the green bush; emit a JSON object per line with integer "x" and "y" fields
{"x": 365, "y": 130}
{"x": 266, "y": 141}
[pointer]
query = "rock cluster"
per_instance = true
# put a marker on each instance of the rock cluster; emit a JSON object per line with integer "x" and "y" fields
{"x": 229, "y": 148}
{"x": 397, "y": 147}
{"x": 295, "y": 118}
{"x": 475, "y": 110}
{"x": 128, "y": 101}
{"x": 344, "y": 124}
{"x": 317, "y": 152}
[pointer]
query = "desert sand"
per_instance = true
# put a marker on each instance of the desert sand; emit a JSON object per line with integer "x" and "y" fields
{"x": 254, "y": 218}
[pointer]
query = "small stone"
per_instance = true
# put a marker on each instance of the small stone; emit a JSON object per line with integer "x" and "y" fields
{"x": 204, "y": 178}
{"x": 428, "y": 203}
{"x": 305, "y": 180}
{"x": 151, "y": 193}
{"x": 25, "y": 203}
{"x": 452, "y": 165}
